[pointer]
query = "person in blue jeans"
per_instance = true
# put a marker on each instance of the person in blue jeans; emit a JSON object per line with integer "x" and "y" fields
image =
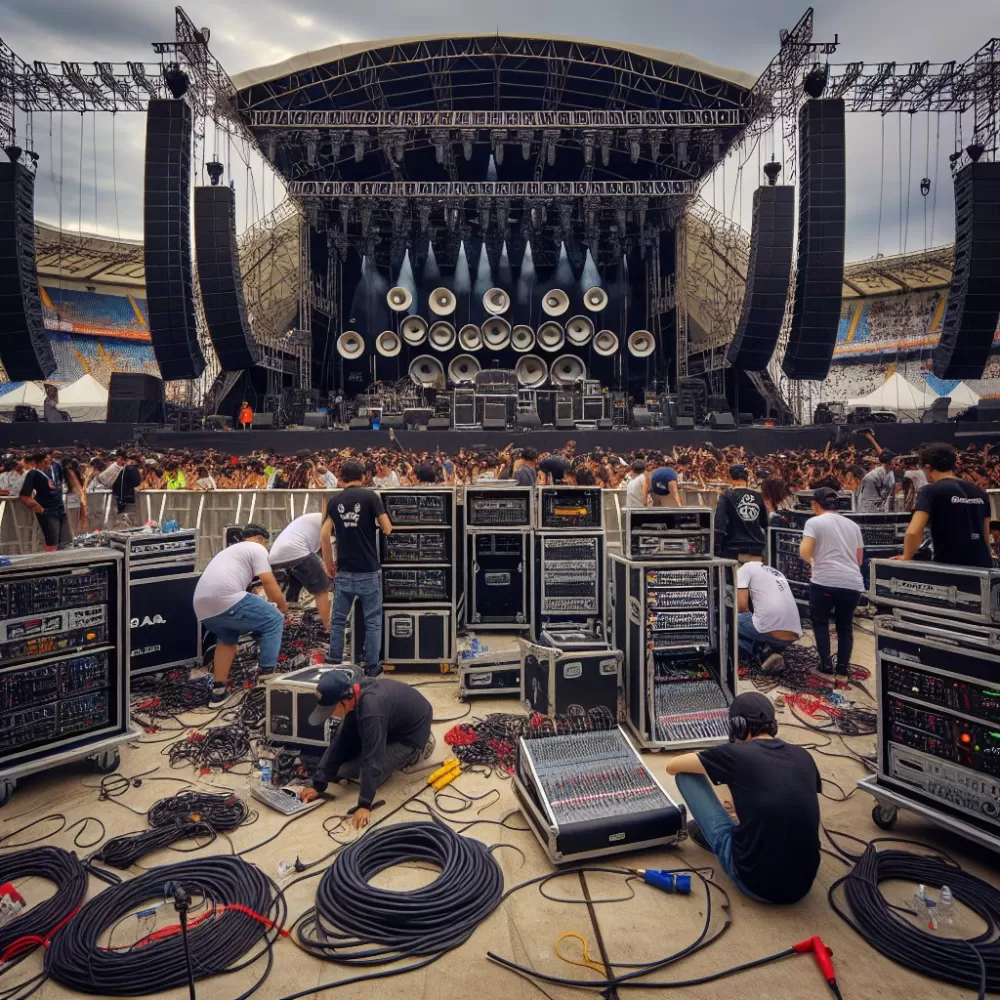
{"x": 224, "y": 607}
{"x": 771, "y": 852}
{"x": 354, "y": 516}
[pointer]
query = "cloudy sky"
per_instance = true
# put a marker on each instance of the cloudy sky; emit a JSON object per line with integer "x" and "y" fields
{"x": 80, "y": 187}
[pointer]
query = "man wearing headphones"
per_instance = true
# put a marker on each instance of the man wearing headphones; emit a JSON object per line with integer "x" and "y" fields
{"x": 771, "y": 852}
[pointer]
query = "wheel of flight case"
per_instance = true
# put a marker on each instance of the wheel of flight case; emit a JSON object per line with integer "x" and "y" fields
{"x": 7, "y": 786}
{"x": 106, "y": 762}
{"x": 883, "y": 816}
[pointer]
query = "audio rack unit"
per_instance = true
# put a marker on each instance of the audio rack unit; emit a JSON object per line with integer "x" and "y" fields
{"x": 424, "y": 507}
{"x": 289, "y": 700}
{"x": 570, "y": 574}
{"x": 954, "y": 592}
{"x": 499, "y": 578}
{"x": 569, "y": 508}
{"x": 64, "y": 691}
{"x": 403, "y": 547}
{"x": 589, "y": 794}
{"x": 570, "y": 671}
{"x": 846, "y": 500}
{"x": 498, "y": 507}
{"x": 668, "y": 532}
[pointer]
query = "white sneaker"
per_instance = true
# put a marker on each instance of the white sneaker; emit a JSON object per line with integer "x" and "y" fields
{"x": 774, "y": 664}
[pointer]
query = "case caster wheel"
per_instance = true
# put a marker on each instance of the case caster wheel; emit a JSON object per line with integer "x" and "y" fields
{"x": 884, "y": 817}
{"x": 106, "y": 761}
{"x": 7, "y": 786}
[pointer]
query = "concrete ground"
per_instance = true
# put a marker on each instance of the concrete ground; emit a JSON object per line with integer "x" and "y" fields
{"x": 526, "y": 927}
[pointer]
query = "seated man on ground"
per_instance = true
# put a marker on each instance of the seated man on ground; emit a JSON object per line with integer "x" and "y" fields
{"x": 768, "y": 615}
{"x": 385, "y": 725}
{"x": 771, "y": 852}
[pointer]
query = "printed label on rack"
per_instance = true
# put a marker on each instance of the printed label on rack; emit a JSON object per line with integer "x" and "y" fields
{"x": 496, "y": 579}
{"x": 634, "y": 610}
{"x": 572, "y": 670}
{"x": 480, "y": 680}
{"x": 608, "y": 667}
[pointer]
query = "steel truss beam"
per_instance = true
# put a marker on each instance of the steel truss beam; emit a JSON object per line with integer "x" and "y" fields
{"x": 492, "y": 189}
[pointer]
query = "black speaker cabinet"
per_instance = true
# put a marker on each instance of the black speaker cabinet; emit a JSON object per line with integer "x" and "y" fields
{"x": 438, "y": 424}
{"x": 361, "y": 423}
{"x": 135, "y": 398}
{"x": 319, "y": 419}
{"x": 721, "y": 421}
{"x": 392, "y": 420}
{"x": 683, "y": 423}
{"x": 528, "y": 421}
{"x": 265, "y": 420}
{"x": 641, "y": 417}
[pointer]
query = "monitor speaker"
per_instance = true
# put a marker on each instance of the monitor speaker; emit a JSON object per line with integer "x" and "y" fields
{"x": 682, "y": 423}
{"x": 136, "y": 399}
{"x": 721, "y": 421}
{"x": 265, "y": 420}
{"x": 392, "y": 420}
{"x": 220, "y": 280}
{"x": 438, "y": 424}
{"x": 822, "y": 221}
{"x": 641, "y": 417}
{"x": 528, "y": 421}
{"x": 319, "y": 419}
{"x": 495, "y": 424}
{"x": 24, "y": 350}
{"x": 167, "y": 240}
{"x": 217, "y": 422}
{"x": 417, "y": 417}
{"x": 361, "y": 423}
{"x": 605, "y": 424}
{"x": 746, "y": 419}
{"x": 768, "y": 276}
{"x": 970, "y": 318}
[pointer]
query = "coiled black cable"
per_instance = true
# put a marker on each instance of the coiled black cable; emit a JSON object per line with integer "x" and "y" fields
{"x": 55, "y": 865}
{"x": 355, "y": 923}
{"x": 970, "y": 962}
{"x": 219, "y": 747}
{"x": 242, "y": 903}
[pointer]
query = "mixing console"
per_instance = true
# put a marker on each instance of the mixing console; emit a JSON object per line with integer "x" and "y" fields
{"x": 689, "y": 709}
{"x": 415, "y": 546}
{"x": 416, "y": 508}
{"x": 19, "y": 598}
{"x": 415, "y": 584}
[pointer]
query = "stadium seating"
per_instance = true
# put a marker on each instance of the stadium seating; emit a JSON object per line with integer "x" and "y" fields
{"x": 99, "y": 356}
{"x": 78, "y": 311}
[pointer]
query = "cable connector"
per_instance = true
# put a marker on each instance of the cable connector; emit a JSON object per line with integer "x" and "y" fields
{"x": 672, "y": 882}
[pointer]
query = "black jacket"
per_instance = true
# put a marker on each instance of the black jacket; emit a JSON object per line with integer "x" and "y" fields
{"x": 125, "y": 486}
{"x": 740, "y": 523}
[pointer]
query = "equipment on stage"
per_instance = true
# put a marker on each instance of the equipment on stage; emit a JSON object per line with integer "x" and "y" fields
{"x": 641, "y": 343}
{"x": 470, "y": 337}
{"x": 569, "y": 508}
{"x": 64, "y": 687}
{"x": 136, "y": 398}
{"x": 579, "y": 331}
{"x": 606, "y": 343}
{"x": 962, "y": 592}
{"x": 845, "y": 500}
{"x": 388, "y": 344}
{"x": 496, "y": 301}
{"x": 27, "y": 414}
{"x": 722, "y": 421}
{"x": 595, "y": 299}
{"x": 555, "y": 302}
{"x": 426, "y": 371}
{"x": 496, "y": 333}
{"x": 589, "y": 794}
{"x": 522, "y": 338}
{"x": 282, "y": 800}
{"x": 441, "y": 336}
{"x": 463, "y": 368}
{"x": 442, "y": 302}
{"x": 289, "y": 701}
{"x": 350, "y": 345}
{"x": 551, "y": 337}
{"x": 414, "y": 330}
{"x": 567, "y": 370}
{"x": 498, "y": 507}
{"x": 667, "y": 533}
{"x": 570, "y": 671}
{"x": 490, "y": 672}
{"x": 399, "y": 298}
{"x": 496, "y": 381}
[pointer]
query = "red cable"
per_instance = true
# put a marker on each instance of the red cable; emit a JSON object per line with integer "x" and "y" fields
{"x": 24, "y": 944}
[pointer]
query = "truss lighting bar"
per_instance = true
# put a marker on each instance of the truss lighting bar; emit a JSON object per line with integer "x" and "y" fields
{"x": 492, "y": 189}
{"x": 695, "y": 118}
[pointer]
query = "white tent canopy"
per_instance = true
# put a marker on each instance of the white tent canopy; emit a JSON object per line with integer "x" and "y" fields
{"x": 84, "y": 399}
{"x": 896, "y": 394}
{"x": 26, "y": 394}
{"x": 962, "y": 397}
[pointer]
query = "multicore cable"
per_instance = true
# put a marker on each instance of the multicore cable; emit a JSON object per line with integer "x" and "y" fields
{"x": 242, "y": 910}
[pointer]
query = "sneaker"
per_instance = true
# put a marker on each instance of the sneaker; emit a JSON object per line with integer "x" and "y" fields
{"x": 417, "y": 763}
{"x": 220, "y": 696}
{"x": 843, "y": 673}
{"x": 374, "y": 671}
{"x": 774, "y": 664}
{"x": 429, "y": 746}
{"x": 826, "y": 667}
{"x": 694, "y": 832}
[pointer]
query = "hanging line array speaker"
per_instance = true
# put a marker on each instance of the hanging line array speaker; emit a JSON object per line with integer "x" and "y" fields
{"x": 641, "y": 343}
{"x": 463, "y": 368}
{"x": 388, "y": 344}
{"x": 822, "y": 223}
{"x": 970, "y": 318}
{"x": 531, "y": 371}
{"x": 414, "y": 330}
{"x": 24, "y": 349}
{"x": 579, "y": 330}
{"x": 350, "y": 345}
{"x": 167, "y": 240}
{"x": 555, "y": 302}
{"x": 567, "y": 369}
{"x": 551, "y": 337}
{"x": 442, "y": 302}
{"x": 595, "y": 299}
{"x": 426, "y": 370}
{"x": 496, "y": 333}
{"x": 522, "y": 338}
{"x": 606, "y": 343}
{"x": 399, "y": 298}
{"x": 768, "y": 276}
{"x": 496, "y": 301}
{"x": 470, "y": 337}
{"x": 219, "y": 278}
{"x": 441, "y": 336}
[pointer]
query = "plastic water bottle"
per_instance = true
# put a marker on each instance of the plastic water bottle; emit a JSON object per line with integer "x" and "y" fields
{"x": 474, "y": 647}
{"x": 920, "y": 902}
{"x": 945, "y": 908}
{"x": 932, "y": 915}
{"x": 265, "y": 771}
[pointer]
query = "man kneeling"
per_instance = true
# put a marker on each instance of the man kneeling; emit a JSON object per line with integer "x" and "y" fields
{"x": 771, "y": 852}
{"x": 386, "y": 725}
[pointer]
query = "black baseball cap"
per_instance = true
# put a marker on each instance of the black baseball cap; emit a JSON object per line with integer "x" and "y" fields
{"x": 254, "y": 530}
{"x": 887, "y": 456}
{"x": 752, "y": 706}
{"x": 738, "y": 472}
{"x": 826, "y": 498}
{"x": 331, "y": 689}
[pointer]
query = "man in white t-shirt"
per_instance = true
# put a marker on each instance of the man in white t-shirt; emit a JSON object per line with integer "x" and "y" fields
{"x": 637, "y": 490}
{"x": 296, "y": 551}
{"x": 834, "y": 547}
{"x": 224, "y": 607}
{"x": 768, "y": 615}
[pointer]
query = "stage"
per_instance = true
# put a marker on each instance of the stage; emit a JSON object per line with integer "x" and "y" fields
{"x": 901, "y": 438}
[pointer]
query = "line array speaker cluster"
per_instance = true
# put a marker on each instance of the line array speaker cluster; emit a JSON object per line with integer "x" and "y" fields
{"x": 822, "y": 224}
{"x": 24, "y": 351}
{"x": 771, "y": 243}
{"x": 220, "y": 279}
{"x": 167, "y": 230}
{"x": 970, "y": 319}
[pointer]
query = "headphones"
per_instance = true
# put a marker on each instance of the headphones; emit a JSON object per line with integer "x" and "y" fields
{"x": 739, "y": 728}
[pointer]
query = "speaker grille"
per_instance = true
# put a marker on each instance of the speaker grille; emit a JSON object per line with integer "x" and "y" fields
{"x": 135, "y": 398}
{"x": 24, "y": 351}
{"x": 220, "y": 280}
{"x": 970, "y": 319}
{"x": 767, "y": 278}
{"x": 167, "y": 228}
{"x": 822, "y": 221}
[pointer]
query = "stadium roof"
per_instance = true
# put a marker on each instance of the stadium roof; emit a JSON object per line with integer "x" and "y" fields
{"x": 88, "y": 258}
{"x": 922, "y": 270}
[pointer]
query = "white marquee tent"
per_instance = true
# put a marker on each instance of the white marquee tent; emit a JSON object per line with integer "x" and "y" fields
{"x": 896, "y": 394}
{"x": 26, "y": 394}
{"x": 84, "y": 399}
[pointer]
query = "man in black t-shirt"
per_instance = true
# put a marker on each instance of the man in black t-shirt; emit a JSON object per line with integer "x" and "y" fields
{"x": 771, "y": 853}
{"x": 956, "y": 512}
{"x": 740, "y": 518}
{"x": 554, "y": 468}
{"x": 352, "y": 515}
{"x": 42, "y": 492}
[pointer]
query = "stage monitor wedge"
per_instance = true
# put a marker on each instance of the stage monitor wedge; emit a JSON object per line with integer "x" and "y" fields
{"x": 822, "y": 224}
{"x": 167, "y": 247}
{"x": 970, "y": 319}
{"x": 220, "y": 280}
{"x": 24, "y": 350}
{"x": 771, "y": 243}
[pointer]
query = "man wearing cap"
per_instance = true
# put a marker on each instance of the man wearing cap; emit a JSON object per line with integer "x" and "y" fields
{"x": 740, "y": 519}
{"x": 877, "y": 486}
{"x": 385, "y": 725}
{"x": 663, "y": 488}
{"x": 771, "y": 851}
{"x": 835, "y": 549}
{"x": 224, "y": 607}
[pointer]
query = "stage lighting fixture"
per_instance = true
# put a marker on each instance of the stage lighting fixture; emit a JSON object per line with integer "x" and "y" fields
{"x": 399, "y": 142}
{"x": 270, "y": 147}
{"x": 311, "y": 146}
{"x": 975, "y": 150}
{"x": 605, "y": 148}
{"x": 682, "y": 151}
{"x": 633, "y": 145}
{"x": 214, "y": 170}
{"x": 771, "y": 171}
{"x": 654, "y": 145}
{"x": 815, "y": 81}
{"x": 925, "y": 186}
{"x": 498, "y": 136}
{"x": 359, "y": 145}
{"x": 588, "y": 147}
{"x": 525, "y": 137}
{"x": 550, "y": 154}
{"x": 468, "y": 138}
{"x": 335, "y": 144}
{"x": 177, "y": 80}
{"x": 13, "y": 153}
